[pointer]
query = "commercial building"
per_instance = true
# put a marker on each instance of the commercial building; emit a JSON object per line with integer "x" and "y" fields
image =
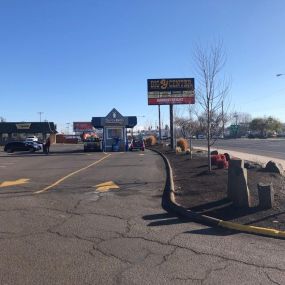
{"x": 114, "y": 127}
{"x": 11, "y": 131}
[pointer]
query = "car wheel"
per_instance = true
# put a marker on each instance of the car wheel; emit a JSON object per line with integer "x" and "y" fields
{"x": 9, "y": 150}
{"x": 31, "y": 150}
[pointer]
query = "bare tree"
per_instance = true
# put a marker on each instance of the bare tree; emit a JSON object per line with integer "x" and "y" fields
{"x": 2, "y": 119}
{"x": 212, "y": 89}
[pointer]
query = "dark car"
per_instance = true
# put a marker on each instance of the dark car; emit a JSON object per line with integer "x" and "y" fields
{"x": 92, "y": 144}
{"x": 137, "y": 144}
{"x": 22, "y": 146}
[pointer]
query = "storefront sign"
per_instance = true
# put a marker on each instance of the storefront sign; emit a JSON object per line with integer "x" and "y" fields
{"x": 171, "y": 91}
{"x": 23, "y": 126}
{"x": 114, "y": 118}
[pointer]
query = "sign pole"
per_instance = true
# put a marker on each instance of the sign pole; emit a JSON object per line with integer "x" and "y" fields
{"x": 159, "y": 124}
{"x": 171, "y": 126}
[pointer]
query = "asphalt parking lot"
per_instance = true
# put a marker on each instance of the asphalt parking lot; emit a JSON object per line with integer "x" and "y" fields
{"x": 94, "y": 218}
{"x": 41, "y": 170}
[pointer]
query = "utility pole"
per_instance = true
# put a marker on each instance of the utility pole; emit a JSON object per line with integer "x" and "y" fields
{"x": 236, "y": 127}
{"x": 171, "y": 126}
{"x": 159, "y": 124}
{"x": 40, "y": 113}
{"x": 223, "y": 120}
{"x": 67, "y": 127}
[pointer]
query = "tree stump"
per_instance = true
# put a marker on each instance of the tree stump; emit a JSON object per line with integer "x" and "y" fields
{"x": 265, "y": 195}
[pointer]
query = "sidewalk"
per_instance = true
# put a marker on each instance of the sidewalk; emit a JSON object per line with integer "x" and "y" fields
{"x": 246, "y": 156}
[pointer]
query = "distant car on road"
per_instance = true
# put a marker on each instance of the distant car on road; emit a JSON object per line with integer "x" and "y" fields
{"x": 22, "y": 146}
{"x": 137, "y": 144}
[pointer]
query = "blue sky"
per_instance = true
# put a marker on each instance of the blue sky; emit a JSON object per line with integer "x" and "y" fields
{"x": 76, "y": 59}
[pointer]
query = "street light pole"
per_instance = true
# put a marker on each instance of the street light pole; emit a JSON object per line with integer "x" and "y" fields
{"x": 40, "y": 113}
{"x": 236, "y": 117}
{"x": 67, "y": 126}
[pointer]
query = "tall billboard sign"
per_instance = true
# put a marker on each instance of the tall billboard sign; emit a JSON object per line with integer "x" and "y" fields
{"x": 171, "y": 91}
{"x": 80, "y": 127}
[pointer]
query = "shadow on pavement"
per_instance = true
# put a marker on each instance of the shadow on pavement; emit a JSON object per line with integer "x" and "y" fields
{"x": 159, "y": 216}
{"x": 212, "y": 232}
{"x": 164, "y": 219}
{"x": 52, "y": 153}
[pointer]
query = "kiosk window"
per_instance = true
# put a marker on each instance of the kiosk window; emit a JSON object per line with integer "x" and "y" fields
{"x": 114, "y": 133}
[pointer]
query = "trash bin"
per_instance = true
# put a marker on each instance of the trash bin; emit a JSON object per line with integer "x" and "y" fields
{"x": 116, "y": 144}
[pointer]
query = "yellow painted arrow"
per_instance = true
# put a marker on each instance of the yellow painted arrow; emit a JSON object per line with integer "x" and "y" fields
{"x": 106, "y": 186}
{"x": 15, "y": 182}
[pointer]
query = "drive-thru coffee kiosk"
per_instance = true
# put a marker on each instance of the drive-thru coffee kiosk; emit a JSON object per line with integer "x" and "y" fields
{"x": 114, "y": 127}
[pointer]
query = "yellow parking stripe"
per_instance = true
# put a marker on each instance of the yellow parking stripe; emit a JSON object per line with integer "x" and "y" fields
{"x": 15, "y": 182}
{"x": 70, "y": 174}
{"x": 106, "y": 186}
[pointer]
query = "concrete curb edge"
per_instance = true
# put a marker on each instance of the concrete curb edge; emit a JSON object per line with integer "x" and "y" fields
{"x": 169, "y": 204}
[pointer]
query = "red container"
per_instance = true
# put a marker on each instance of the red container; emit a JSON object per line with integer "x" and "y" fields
{"x": 214, "y": 158}
{"x": 222, "y": 163}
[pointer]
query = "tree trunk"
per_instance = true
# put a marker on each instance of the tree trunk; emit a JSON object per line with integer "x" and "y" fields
{"x": 190, "y": 146}
{"x": 208, "y": 141}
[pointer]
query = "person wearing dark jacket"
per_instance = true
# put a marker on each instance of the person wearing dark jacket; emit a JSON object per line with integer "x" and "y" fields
{"x": 46, "y": 146}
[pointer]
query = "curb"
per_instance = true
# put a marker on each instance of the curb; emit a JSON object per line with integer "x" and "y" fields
{"x": 169, "y": 204}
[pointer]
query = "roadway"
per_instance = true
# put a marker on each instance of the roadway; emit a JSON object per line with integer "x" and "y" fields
{"x": 274, "y": 148}
{"x": 94, "y": 218}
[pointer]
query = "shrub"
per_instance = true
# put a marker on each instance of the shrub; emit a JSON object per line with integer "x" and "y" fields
{"x": 178, "y": 149}
{"x": 151, "y": 140}
{"x": 183, "y": 144}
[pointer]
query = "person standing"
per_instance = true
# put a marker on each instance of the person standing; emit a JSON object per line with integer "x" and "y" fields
{"x": 47, "y": 145}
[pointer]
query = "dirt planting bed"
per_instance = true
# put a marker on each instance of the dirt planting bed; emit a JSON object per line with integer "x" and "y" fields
{"x": 206, "y": 193}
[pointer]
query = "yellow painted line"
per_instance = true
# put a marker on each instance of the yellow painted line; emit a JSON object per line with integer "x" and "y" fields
{"x": 71, "y": 174}
{"x": 106, "y": 186}
{"x": 252, "y": 229}
{"x": 15, "y": 182}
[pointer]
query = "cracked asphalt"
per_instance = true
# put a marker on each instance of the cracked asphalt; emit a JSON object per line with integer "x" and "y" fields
{"x": 72, "y": 234}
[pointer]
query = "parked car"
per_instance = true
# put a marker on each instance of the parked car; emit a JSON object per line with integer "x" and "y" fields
{"x": 31, "y": 139}
{"x": 92, "y": 144}
{"x": 137, "y": 144}
{"x": 22, "y": 146}
{"x": 201, "y": 136}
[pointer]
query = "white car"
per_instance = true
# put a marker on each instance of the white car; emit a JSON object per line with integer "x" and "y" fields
{"x": 31, "y": 139}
